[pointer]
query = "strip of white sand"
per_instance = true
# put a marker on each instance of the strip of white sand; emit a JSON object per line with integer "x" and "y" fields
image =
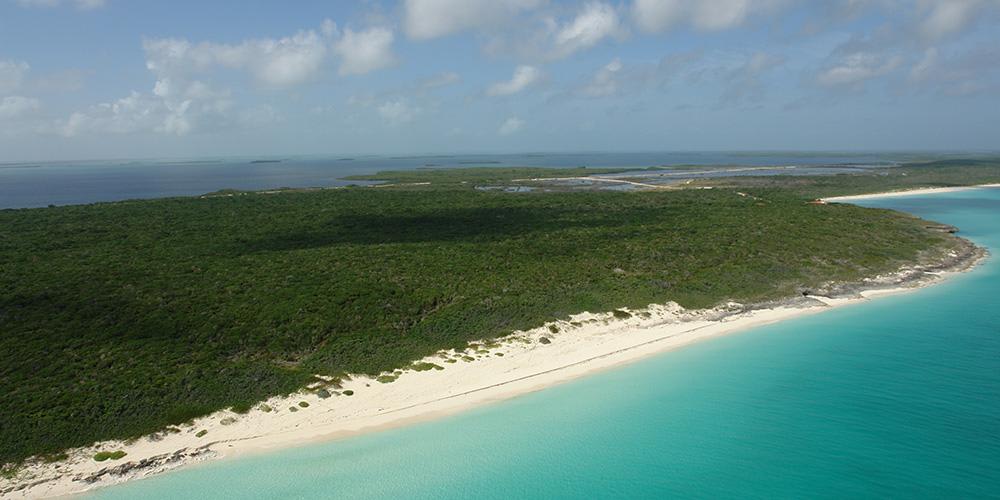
{"x": 908, "y": 192}
{"x": 446, "y": 383}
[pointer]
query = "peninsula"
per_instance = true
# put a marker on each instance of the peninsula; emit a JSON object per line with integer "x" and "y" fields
{"x": 144, "y": 335}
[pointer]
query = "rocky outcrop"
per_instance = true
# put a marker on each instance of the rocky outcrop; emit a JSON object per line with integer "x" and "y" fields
{"x": 152, "y": 464}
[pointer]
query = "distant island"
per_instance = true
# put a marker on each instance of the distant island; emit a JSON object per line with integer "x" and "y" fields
{"x": 138, "y": 325}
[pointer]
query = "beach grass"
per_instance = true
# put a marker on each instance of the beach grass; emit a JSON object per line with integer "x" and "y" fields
{"x": 108, "y": 455}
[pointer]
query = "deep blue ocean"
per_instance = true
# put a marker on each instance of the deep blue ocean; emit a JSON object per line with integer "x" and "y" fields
{"x": 25, "y": 185}
{"x": 895, "y": 398}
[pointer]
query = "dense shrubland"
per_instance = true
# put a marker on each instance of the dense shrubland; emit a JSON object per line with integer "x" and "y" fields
{"x": 118, "y": 319}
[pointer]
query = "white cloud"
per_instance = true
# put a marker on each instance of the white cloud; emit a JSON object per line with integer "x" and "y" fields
{"x": 12, "y": 75}
{"x": 425, "y": 19}
{"x": 856, "y": 68}
{"x": 946, "y": 17}
{"x": 524, "y": 77}
{"x": 397, "y": 112}
{"x": 127, "y": 114}
{"x": 365, "y": 51}
{"x": 510, "y": 126}
{"x": 654, "y": 16}
{"x": 80, "y": 4}
{"x": 172, "y": 108}
{"x": 17, "y": 106}
{"x": 605, "y": 82}
{"x": 328, "y": 28}
{"x": 275, "y": 62}
{"x": 179, "y": 104}
{"x": 595, "y": 22}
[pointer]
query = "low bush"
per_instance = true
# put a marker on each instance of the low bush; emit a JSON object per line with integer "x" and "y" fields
{"x": 108, "y": 455}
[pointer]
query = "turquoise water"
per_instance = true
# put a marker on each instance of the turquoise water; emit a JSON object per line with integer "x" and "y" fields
{"x": 896, "y": 398}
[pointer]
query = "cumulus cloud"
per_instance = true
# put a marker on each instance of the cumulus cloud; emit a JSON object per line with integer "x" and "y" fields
{"x": 856, "y": 68}
{"x": 127, "y": 114}
{"x": 180, "y": 102}
{"x": 397, "y": 112}
{"x": 595, "y": 22}
{"x": 510, "y": 126}
{"x": 654, "y": 16}
{"x": 524, "y": 77}
{"x": 170, "y": 109}
{"x": 80, "y": 4}
{"x": 425, "y": 19}
{"x": 12, "y": 75}
{"x": 17, "y": 106}
{"x": 946, "y": 17}
{"x": 275, "y": 62}
{"x": 365, "y": 51}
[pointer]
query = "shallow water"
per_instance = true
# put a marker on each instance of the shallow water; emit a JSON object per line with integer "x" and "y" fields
{"x": 24, "y": 185}
{"x": 899, "y": 397}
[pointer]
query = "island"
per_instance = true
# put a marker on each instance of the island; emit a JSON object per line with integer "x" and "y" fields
{"x": 143, "y": 335}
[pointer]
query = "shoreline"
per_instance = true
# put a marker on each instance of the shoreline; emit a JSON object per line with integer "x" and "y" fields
{"x": 908, "y": 192}
{"x": 451, "y": 382}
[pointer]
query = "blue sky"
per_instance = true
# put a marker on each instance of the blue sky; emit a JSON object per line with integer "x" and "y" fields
{"x": 143, "y": 78}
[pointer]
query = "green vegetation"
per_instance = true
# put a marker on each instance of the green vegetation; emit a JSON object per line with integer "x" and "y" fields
{"x": 423, "y": 366}
{"x": 385, "y": 379}
{"x": 201, "y": 433}
{"x": 10, "y": 472}
{"x": 241, "y": 407}
{"x": 943, "y": 173}
{"x": 55, "y": 457}
{"x": 119, "y": 319}
{"x": 348, "y": 392}
{"x": 467, "y": 177}
{"x": 621, "y": 314}
{"x": 108, "y": 455}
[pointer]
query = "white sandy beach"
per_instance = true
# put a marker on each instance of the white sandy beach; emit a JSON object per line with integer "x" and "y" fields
{"x": 515, "y": 365}
{"x": 908, "y": 192}
{"x": 483, "y": 373}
